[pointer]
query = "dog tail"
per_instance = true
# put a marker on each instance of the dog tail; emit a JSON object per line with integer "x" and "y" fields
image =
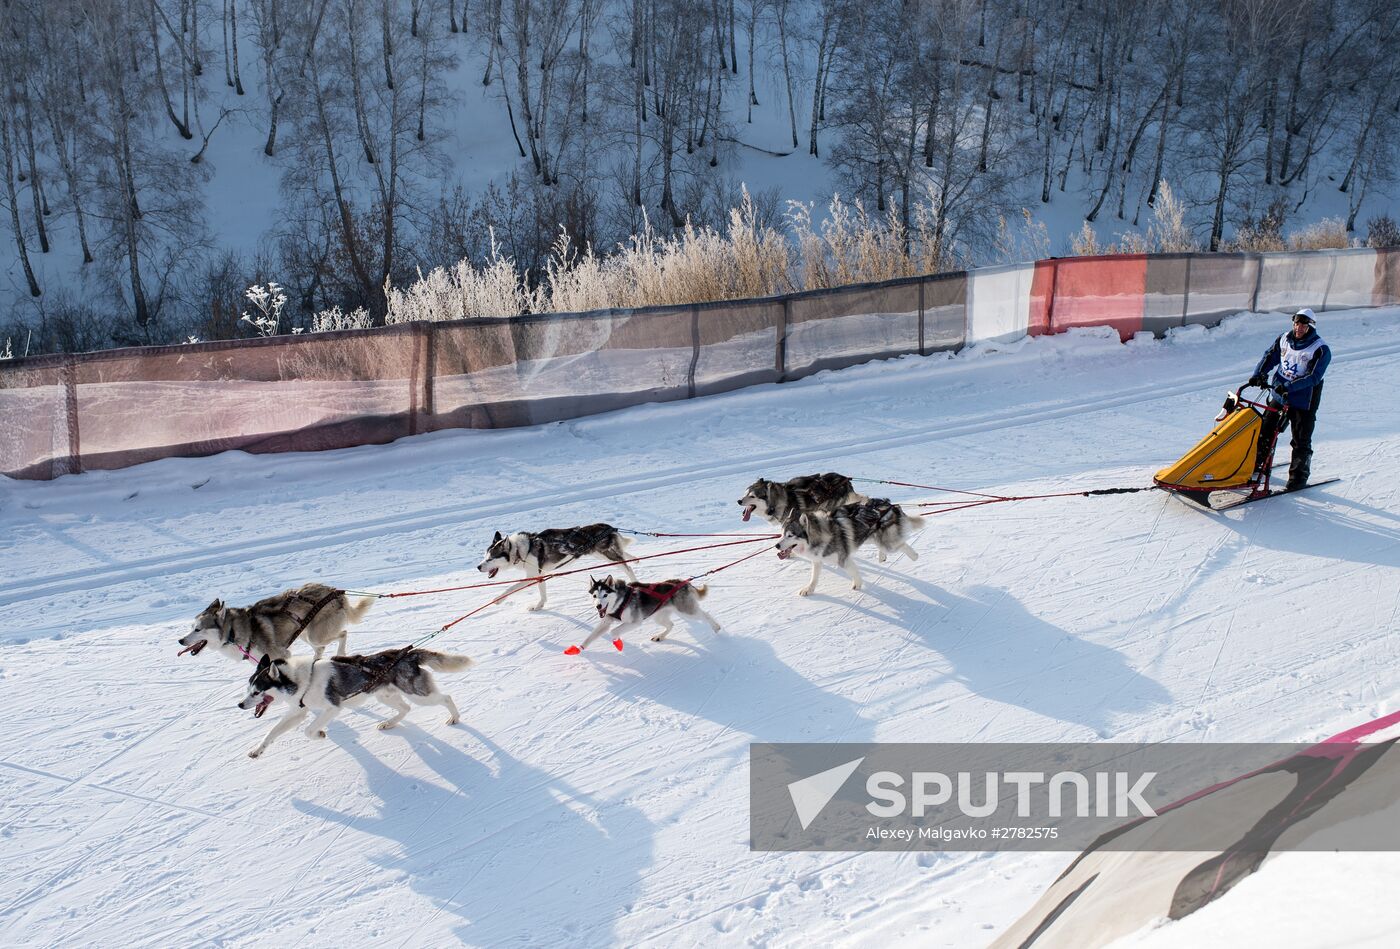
{"x": 355, "y": 609}
{"x": 700, "y": 590}
{"x": 444, "y": 661}
{"x": 914, "y": 522}
{"x": 623, "y": 541}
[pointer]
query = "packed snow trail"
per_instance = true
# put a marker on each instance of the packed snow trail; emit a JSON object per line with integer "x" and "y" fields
{"x": 604, "y": 798}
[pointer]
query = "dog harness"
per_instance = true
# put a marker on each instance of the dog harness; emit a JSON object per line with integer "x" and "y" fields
{"x": 316, "y": 607}
{"x": 653, "y": 590}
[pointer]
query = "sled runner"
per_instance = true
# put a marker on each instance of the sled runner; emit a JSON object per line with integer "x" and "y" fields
{"x": 1230, "y": 458}
{"x": 1225, "y": 500}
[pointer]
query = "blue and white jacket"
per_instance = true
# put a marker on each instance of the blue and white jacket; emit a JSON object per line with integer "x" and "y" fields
{"x": 1298, "y": 364}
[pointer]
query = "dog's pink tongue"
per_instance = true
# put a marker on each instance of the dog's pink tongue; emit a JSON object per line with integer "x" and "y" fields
{"x": 784, "y": 554}
{"x": 748, "y": 512}
{"x": 262, "y": 705}
{"x": 492, "y": 574}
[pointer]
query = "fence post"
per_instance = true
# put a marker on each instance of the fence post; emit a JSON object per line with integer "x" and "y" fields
{"x": 694, "y": 350}
{"x": 415, "y": 373}
{"x": 921, "y": 318}
{"x": 425, "y": 404}
{"x": 1186, "y": 290}
{"x": 70, "y": 399}
{"x": 1332, "y": 272}
{"x": 1258, "y": 279}
{"x": 1050, "y": 302}
{"x": 780, "y": 359}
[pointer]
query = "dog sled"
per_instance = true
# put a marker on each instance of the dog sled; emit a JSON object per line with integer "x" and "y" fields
{"x": 1232, "y": 464}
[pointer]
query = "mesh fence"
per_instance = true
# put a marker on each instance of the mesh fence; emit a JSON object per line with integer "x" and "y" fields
{"x": 111, "y": 409}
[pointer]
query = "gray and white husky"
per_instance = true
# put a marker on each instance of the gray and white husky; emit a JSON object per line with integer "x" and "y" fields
{"x": 313, "y": 612}
{"x": 623, "y": 606}
{"x": 548, "y": 550}
{"x": 781, "y": 501}
{"x": 834, "y": 538}
{"x": 324, "y": 687}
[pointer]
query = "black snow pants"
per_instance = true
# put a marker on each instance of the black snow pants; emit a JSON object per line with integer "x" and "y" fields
{"x": 1302, "y": 420}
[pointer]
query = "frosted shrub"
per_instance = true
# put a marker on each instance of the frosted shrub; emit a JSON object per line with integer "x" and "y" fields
{"x": 1029, "y": 241}
{"x": 268, "y": 302}
{"x": 853, "y": 246}
{"x": 7, "y": 352}
{"x": 1382, "y": 231}
{"x": 1086, "y": 242}
{"x": 496, "y": 289}
{"x": 697, "y": 264}
{"x": 328, "y": 321}
{"x": 1327, "y": 233}
{"x": 1131, "y": 242}
{"x": 1168, "y": 233}
{"x": 1264, "y": 234}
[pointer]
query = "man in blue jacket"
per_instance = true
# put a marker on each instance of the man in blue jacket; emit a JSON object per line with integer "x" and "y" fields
{"x": 1297, "y": 359}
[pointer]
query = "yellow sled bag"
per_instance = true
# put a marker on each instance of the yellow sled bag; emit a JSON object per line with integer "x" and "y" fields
{"x": 1225, "y": 458}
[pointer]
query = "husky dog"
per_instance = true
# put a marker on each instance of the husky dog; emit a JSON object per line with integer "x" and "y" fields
{"x": 310, "y": 685}
{"x": 781, "y": 501}
{"x": 834, "y": 538}
{"x": 314, "y": 612}
{"x": 551, "y": 549}
{"x": 628, "y": 604}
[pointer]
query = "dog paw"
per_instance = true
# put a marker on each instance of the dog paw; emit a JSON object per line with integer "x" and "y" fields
{"x": 660, "y": 637}
{"x": 318, "y": 734}
{"x": 856, "y": 585}
{"x": 255, "y": 752}
{"x": 453, "y": 720}
{"x": 805, "y": 591}
{"x": 534, "y": 607}
{"x": 881, "y": 558}
{"x": 385, "y": 726}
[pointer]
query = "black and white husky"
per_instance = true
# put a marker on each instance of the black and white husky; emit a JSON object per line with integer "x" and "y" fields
{"x": 781, "y": 501}
{"x": 313, "y": 612}
{"x": 326, "y": 686}
{"x": 551, "y": 549}
{"x": 623, "y": 606}
{"x": 834, "y": 538}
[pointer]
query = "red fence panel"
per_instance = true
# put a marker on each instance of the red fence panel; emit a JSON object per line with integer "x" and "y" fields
{"x": 1099, "y": 291}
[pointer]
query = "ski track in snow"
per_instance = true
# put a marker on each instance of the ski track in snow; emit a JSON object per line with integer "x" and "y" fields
{"x": 603, "y": 799}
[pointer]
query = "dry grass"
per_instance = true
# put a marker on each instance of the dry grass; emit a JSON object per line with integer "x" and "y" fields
{"x": 1167, "y": 234}
{"x": 1086, "y": 242}
{"x": 328, "y": 321}
{"x": 749, "y": 258}
{"x": 697, "y": 264}
{"x": 1325, "y": 234}
{"x": 1028, "y": 240}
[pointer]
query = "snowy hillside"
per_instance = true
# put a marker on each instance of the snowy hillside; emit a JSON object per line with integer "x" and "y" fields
{"x": 603, "y": 798}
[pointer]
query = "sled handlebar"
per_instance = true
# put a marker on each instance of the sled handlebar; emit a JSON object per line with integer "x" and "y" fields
{"x": 1266, "y": 405}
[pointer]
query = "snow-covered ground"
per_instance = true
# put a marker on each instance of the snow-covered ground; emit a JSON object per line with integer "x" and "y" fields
{"x": 604, "y": 798}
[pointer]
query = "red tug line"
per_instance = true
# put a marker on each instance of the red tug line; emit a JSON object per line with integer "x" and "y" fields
{"x": 521, "y": 585}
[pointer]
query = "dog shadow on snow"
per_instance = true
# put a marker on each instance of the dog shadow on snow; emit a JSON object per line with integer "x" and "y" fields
{"x": 520, "y": 856}
{"x": 737, "y": 682}
{"x": 1001, "y": 651}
